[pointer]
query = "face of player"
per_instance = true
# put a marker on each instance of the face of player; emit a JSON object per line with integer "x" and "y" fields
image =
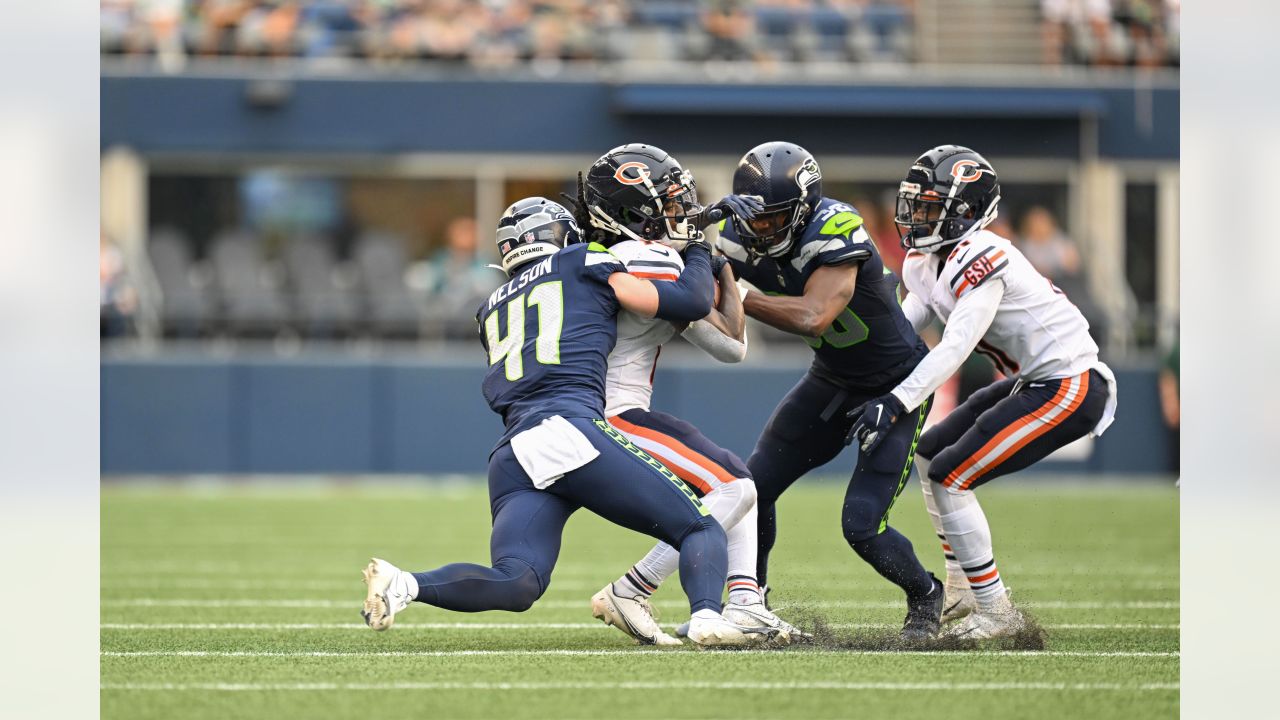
{"x": 768, "y": 224}
{"x": 679, "y": 212}
{"x": 918, "y": 215}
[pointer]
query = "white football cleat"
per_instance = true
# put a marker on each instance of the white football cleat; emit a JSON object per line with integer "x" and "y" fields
{"x": 631, "y": 615}
{"x": 714, "y": 630}
{"x": 387, "y": 595}
{"x": 959, "y": 601}
{"x": 756, "y": 615}
{"x": 1004, "y": 620}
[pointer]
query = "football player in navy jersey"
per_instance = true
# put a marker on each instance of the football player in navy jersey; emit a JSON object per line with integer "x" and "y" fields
{"x": 821, "y": 277}
{"x": 547, "y": 333}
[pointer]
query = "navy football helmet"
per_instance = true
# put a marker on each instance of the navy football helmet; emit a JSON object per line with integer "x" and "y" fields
{"x": 950, "y": 193}
{"x": 787, "y": 179}
{"x": 533, "y": 228}
{"x": 639, "y": 192}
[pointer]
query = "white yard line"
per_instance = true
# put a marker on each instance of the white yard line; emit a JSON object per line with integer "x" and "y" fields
{"x": 579, "y": 604}
{"x": 666, "y": 685}
{"x": 581, "y": 571}
{"x": 638, "y": 651}
{"x": 549, "y": 626}
{"x": 558, "y": 587}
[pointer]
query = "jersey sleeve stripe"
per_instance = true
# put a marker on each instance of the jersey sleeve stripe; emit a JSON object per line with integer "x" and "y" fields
{"x": 596, "y": 258}
{"x": 655, "y": 276}
{"x": 960, "y": 273}
{"x": 654, "y": 264}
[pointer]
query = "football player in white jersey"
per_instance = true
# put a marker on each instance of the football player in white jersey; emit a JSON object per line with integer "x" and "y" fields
{"x": 643, "y": 205}
{"x": 991, "y": 299}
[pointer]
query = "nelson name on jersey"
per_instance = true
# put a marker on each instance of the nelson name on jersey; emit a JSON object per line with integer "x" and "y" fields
{"x": 518, "y": 283}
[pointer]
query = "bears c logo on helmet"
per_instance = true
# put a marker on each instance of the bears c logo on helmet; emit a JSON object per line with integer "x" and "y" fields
{"x": 967, "y": 170}
{"x": 640, "y": 175}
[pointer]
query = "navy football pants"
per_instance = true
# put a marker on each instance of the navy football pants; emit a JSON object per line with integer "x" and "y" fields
{"x": 623, "y": 485}
{"x": 997, "y": 431}
{"x": 806, "y": 431}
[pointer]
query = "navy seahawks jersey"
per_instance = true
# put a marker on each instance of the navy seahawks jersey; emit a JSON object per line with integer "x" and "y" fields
{"x": 871, "y": 344}
{"x": 548, "y": 333}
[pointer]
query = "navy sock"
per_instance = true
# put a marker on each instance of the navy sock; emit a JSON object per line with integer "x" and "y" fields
{"x": 891, "y": 554}
{"x": 704, "y": 563}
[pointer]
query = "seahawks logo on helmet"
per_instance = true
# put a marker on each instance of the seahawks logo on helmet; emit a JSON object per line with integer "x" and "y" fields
{"x": 808, "y": 173}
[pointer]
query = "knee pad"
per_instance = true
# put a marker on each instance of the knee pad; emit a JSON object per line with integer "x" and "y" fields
{"x": 730, "y": 502}
{"x": 524, "y": 586}
{"x": 749, "y": 493}
{"x": 927, "y": 445}
{"x": 860, "y": 520}
{"x": 941, "y": 465}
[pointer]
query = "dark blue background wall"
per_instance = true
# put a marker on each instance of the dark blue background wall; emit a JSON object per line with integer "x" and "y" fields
{"x": 270, "y": 415}
{"x": 398, "y": 112}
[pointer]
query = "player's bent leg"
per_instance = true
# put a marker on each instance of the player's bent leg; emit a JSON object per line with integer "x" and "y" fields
{"x": 628, "y": 487}
{"x": 524, "y": 546}
{"x": 1014, "y": 433}
{"x": 700, "y": 463}
{"x": 877, "y": 481}
{"x": 802, "y": 434}
{"x": 959, "y": 600}
{"x": 958, "y": 597}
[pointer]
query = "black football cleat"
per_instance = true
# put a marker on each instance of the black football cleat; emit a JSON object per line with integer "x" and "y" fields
{"x": 924, "y": 614}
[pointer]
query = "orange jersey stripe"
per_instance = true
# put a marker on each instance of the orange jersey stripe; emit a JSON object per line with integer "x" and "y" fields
{"x": 1000, "y": 436}
{"x": 655, "y": 276}
{"x": 674, "y": 445}
{"x": 1042, "y": 429}
{"x": 681, "y": 473}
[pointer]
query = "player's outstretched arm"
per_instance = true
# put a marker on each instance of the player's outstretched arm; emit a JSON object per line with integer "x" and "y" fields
{"x": 722, "y": 334}
{"x": 825, "y": 294}
{"x": 917, "y": 312}
{"x": 685, "y": 300}
{"x": 965, "y": 327}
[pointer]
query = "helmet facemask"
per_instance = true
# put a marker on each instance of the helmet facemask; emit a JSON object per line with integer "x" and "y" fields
{"x": 928, "y": 221}
{"x": 772, "y": 230}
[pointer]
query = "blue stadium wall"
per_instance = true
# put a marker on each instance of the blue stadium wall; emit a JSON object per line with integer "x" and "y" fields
{"x": 398, "y": 112}
{"x": 337, "y": 415}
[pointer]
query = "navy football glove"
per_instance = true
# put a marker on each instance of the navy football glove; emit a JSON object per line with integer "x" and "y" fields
{"x": 717, "y": 265}
{"x": 744, "y": 206}
{"x": 874, "y": 418}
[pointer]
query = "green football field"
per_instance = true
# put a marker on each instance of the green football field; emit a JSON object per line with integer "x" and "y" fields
{"x": 239, "y": 600}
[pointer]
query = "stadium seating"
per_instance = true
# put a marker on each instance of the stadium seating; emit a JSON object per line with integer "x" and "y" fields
{"x": 253, "y": 301}
{"x": 186, "y": 308}
{"x": 381, "y": 262}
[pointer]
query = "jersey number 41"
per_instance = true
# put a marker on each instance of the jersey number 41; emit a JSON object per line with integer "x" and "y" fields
{"x": 549, "y": 297}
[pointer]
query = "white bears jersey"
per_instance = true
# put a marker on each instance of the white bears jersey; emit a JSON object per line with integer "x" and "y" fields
{"x": 1037, "y": 333}
{"x": 629, "y": 379}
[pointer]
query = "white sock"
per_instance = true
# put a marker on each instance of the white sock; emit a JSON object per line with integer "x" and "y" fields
{"x": 727, "y": 503}
{"x": 954, "y": 572}
{"x": 966, "y": 529}
{"x": 743, "y": 545}
{"x": 634, "y": 583}
{"x": 406, "y": 583}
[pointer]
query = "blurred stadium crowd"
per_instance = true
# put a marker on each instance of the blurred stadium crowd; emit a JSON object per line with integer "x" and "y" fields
{"x": 545, "y": 34}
